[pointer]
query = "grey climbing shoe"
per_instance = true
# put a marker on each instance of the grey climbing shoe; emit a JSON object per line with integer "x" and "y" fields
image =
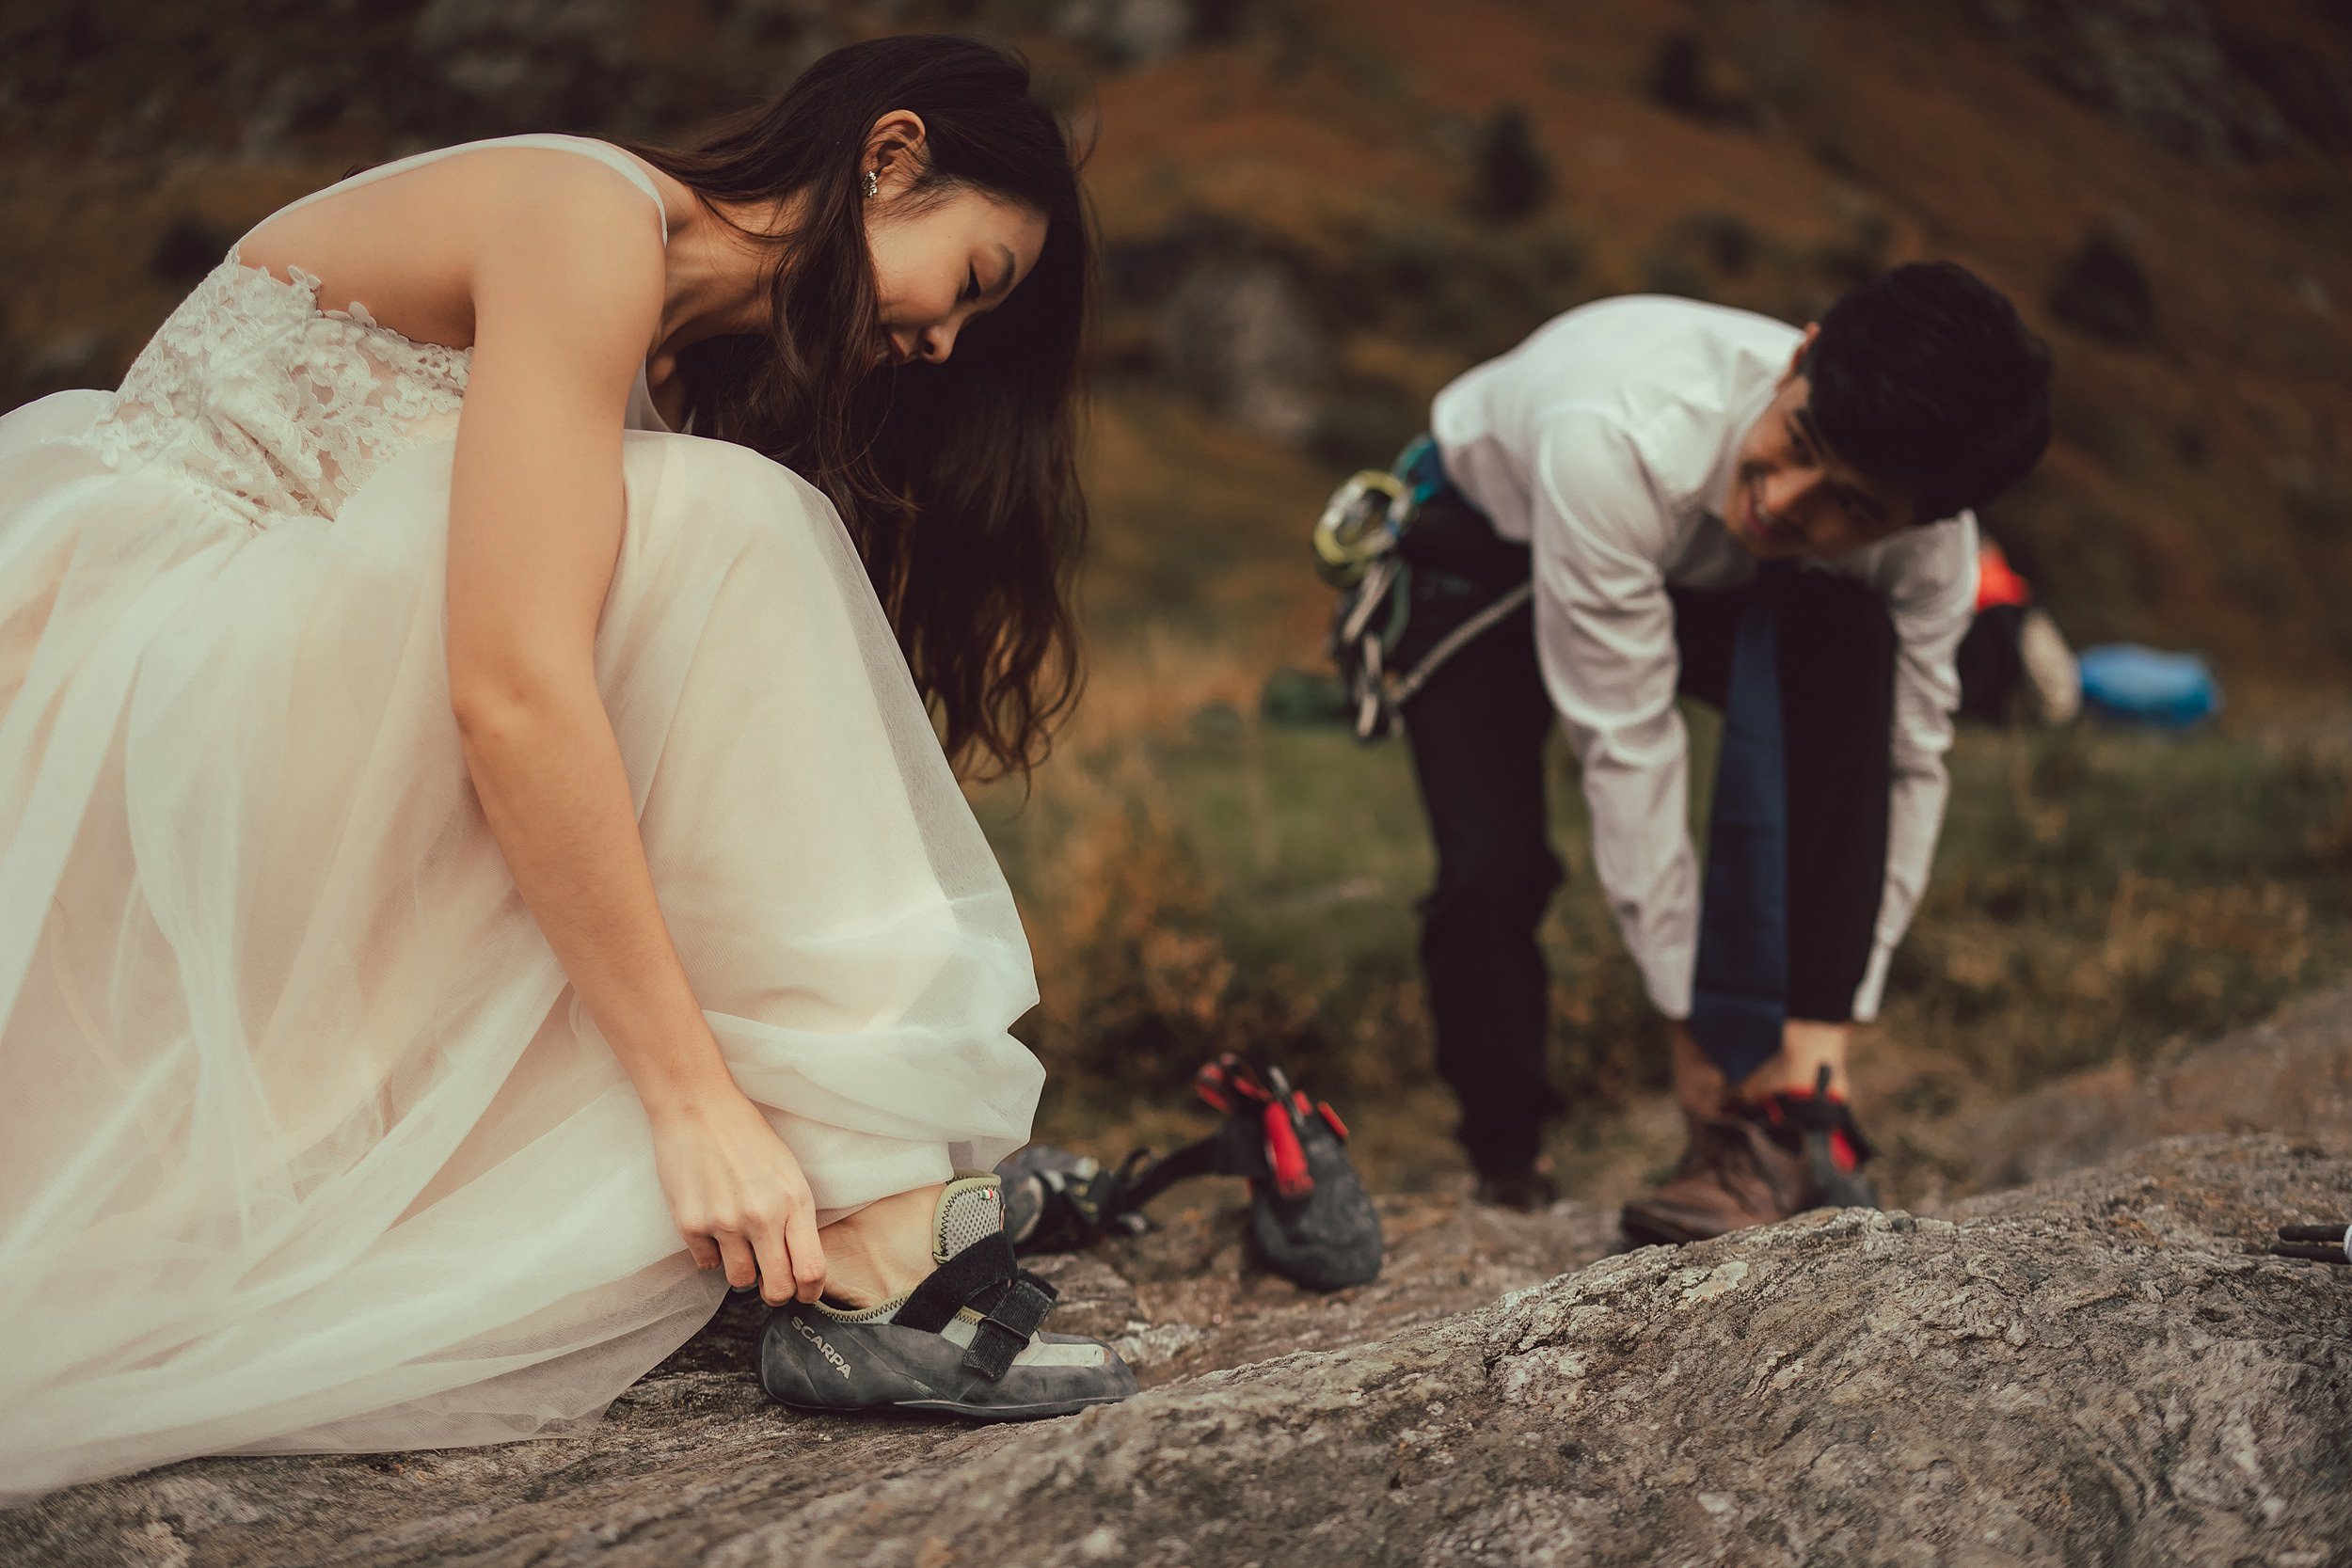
{"x": 1309, "y": 1218}
{"x": 1056, "y": 1201}
{"x": 965, "y": 1342}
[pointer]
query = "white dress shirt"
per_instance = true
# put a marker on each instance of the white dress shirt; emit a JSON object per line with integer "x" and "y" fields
{"x": 1609, "y": 441}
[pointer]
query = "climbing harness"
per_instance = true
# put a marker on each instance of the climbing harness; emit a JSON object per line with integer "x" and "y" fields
{"x": 1358, "y": 547}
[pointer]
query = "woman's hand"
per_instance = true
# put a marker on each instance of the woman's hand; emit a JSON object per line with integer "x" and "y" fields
{"x": 738, "y": 1197}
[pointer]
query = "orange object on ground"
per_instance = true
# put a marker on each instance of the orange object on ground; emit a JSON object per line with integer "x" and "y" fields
{"x": 1998, "y": 581}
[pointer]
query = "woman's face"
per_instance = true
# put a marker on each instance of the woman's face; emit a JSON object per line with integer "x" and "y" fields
{"x": 942, "y": 263}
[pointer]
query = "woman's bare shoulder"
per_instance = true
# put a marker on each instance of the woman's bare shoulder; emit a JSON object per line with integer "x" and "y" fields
{"x": 419, "y": 247}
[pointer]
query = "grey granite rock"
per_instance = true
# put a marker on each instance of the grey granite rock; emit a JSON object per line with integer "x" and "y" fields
{"x": 2099, "y": 1369}
{"x": 2101, "y": 1366}
{"x": 2291, "y": 1074}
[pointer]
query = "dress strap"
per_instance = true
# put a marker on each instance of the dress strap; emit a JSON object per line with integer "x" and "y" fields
{"x": 604, "y": 152}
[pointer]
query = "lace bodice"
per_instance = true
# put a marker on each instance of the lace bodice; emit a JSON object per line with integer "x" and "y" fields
{"x": 271, "y": 408}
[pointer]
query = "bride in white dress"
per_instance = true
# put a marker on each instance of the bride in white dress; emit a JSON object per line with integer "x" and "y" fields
{"x": 479, "y": 872}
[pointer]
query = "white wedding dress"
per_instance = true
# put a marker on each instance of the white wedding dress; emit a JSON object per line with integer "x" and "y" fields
{"x": 305, "y": 1142}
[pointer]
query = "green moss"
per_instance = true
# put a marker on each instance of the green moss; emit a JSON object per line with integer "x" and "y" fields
{"x": 2096, "y": 894}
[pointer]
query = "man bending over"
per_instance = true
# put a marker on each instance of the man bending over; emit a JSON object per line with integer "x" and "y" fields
{"x": 1715, "y": 504}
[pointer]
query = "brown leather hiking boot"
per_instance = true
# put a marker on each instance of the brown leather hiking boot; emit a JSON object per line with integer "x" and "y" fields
{"x": 1758, "y": 1164}
{"x": 1733, "y": 1175}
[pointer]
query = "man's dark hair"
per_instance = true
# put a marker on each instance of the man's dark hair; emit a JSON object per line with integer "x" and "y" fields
{"x": 1927, "y": 377}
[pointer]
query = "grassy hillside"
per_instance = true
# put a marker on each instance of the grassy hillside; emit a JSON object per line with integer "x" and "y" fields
{"x": 1315, "y": 212}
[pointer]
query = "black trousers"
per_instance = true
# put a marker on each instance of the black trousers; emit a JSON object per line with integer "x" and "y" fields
{"x": 1990, "y": 670}
{"x": 1477, "y": 731}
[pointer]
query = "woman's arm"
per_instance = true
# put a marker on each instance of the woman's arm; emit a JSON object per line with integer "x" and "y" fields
{"x": 567, "y": 281}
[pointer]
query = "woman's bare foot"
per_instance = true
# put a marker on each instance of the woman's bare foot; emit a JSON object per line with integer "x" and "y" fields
{"x": 882, "y": 1251}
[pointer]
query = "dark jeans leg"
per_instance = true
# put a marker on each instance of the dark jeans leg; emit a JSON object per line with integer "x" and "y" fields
{"x": 1838, "y": 722}
{"x": 1838, "y": 713}
{"x": 1990, "y": 669}
{"x": 1476, "y": 731}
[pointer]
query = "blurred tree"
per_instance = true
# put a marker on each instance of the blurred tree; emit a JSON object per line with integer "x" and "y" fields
{"x": 1686, "y": 78}
{"x": 1514, "y": 176}
{"x": 2104, "y": 291}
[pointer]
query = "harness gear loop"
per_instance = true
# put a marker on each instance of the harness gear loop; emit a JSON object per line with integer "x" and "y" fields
{"x": 1359, "y": 545}
{"x": 1361, "y": 522}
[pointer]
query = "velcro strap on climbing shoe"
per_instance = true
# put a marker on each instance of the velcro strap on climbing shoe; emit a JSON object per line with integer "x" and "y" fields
{"x": 1006, "y": 1324}
{"x": 981, "y": 1270}
{"x": 983, "y": 1276}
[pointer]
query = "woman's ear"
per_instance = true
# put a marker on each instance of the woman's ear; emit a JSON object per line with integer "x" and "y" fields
{"x": 894, "y": 152}
{"x": 1796, "y": 360}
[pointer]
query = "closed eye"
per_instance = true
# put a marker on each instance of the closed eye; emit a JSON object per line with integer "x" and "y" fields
{"x": 971, "y": 284}
{"x": 1801, "y": 437}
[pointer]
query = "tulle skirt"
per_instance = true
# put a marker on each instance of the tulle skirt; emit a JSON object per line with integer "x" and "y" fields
{"x": 305, "y": 1142}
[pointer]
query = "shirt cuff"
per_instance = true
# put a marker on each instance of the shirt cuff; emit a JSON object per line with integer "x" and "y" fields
{"x": 1666, "y": 976}
{"x": 1866, "y": 1000}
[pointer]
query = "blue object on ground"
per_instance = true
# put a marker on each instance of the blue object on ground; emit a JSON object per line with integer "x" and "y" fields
{"x": 2123, "y": 680}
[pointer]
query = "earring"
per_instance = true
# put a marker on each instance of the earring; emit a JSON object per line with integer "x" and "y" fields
{"x": 873, "y": 183}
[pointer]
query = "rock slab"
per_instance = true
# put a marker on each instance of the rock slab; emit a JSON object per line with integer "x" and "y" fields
{"x": 2100, "y": 1368}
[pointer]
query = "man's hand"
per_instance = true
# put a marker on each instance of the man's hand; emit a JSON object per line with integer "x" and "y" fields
{"x": 1806, "y": 1046}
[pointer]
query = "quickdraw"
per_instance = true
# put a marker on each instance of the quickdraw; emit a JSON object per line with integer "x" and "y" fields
{"x": 1356, "y": 547}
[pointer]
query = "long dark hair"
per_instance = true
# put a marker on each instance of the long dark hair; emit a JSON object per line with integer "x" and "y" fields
{"x": 957, "y": 481}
